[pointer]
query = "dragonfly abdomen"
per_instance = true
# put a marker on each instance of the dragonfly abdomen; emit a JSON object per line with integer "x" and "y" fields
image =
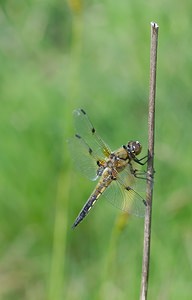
{"x": 86, "y": 208}
{"x": 100, "y": 188}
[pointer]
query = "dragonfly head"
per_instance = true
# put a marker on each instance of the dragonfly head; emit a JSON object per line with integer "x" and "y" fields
{"x": 134, "y": 148}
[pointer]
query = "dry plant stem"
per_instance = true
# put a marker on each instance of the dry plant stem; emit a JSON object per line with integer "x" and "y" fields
{"x": 150, "y": 170}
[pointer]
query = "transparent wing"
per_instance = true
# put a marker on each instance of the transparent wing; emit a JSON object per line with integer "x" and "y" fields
{"x": 85, "y": 129}
{"x": 137, "y": 180}
{"x": 84, "y": 159}
{"x": 124, "y": 197}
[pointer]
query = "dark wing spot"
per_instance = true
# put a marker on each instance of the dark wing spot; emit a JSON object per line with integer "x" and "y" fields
{"x": 93, "y": 130}
{"x": 128, "y": 188}
{"x": 145, "y": 203}
{"x": 83, "y": 111}
{"x": 77, "y": 136}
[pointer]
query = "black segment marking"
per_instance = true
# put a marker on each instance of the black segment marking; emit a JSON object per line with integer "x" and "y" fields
{"x": 85, "y": 210}
{"x": 93, "y": 130}
{"x": 90, "y": 150}
{"x": 87, "y": 207}
{"x": 77, "y": 136}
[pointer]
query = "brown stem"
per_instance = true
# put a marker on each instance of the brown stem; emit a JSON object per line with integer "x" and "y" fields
{"x": 150, "y": 170}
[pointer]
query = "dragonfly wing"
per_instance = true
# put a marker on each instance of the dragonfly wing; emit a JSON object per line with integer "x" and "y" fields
{"x": 85, "y": 129}
{"x": 125, "y": 198}
{"x": 134, "y": 178}
{"x": 83, "y": 157}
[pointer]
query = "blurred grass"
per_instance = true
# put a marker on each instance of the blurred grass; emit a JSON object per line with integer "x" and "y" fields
{"x": 56, "y": 56}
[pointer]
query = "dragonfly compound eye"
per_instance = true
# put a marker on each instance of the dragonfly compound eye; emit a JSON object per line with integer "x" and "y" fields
{"x": 134, "y": 147}
{"x": 138, "y": 147}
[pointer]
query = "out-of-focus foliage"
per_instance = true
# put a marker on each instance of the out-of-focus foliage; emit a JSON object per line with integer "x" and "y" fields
{"x": 56, "y": 56}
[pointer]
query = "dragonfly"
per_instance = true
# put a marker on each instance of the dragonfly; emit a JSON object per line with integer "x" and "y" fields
{"x": 114, "y": 170}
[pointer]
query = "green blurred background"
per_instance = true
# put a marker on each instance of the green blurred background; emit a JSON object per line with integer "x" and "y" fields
{"x": 56, "y": 56}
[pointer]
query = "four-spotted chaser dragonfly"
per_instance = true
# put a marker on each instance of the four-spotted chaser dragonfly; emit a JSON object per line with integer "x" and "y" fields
{"x": 115, "y": 170}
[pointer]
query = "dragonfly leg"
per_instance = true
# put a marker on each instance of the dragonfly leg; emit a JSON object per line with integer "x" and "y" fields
{"x": 139, "y": 174}
{"x": 139, "y": 161}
